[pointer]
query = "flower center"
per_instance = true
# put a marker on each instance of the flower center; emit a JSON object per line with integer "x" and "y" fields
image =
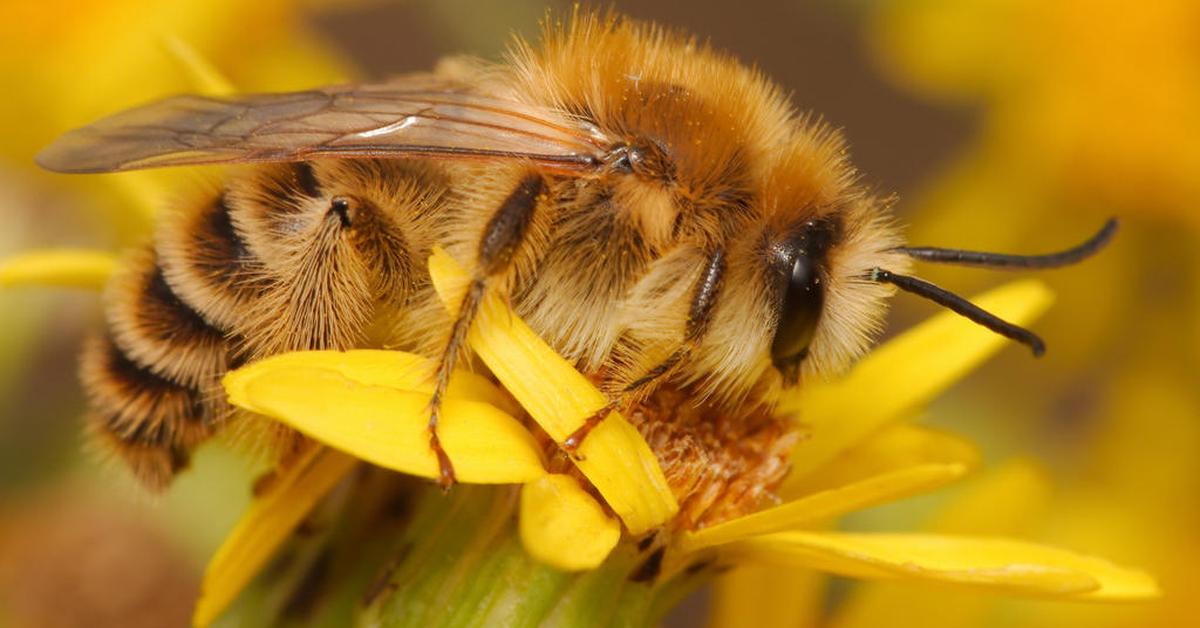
{"x": 719, "y": 464}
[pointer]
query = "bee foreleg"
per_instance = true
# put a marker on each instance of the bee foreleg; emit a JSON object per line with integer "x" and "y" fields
{"x": 502, "y": 237}
{"x": 699, "y": 314}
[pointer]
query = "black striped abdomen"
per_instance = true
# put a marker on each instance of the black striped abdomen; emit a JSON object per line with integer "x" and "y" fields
{"x": 208, "y": 265}
{"x": 157, "y": 330}
{"x": 152, "y": 379}
{"x": 286, "y": 257}
{"x": 149, "y": 421}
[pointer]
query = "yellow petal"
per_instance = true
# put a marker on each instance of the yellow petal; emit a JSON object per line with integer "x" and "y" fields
{"x": 827, "y": 504}
{"x": 387, "y": 426}
{"x": 391, "y": 369}
{"x": 1005, "y": 500}
{"x": 616, "y": 459}
{"x": 265, "y": 526}
{"x": 755, "y": 595}
{"x": 892, "y": 448}
{"x": 562, "y": 526}
{"x": 993, "y": 563}
{"x": 205, "y": 77}
{"x": 904, "y": 374}
{"x": 60, "y": 267}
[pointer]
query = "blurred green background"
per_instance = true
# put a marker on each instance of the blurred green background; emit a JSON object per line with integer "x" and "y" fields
{"x": 1007, "y": 125}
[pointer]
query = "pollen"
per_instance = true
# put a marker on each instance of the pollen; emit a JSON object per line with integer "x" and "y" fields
{"x": 719, "y": 465}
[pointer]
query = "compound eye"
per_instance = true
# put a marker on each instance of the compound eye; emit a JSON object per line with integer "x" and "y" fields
{"x": 803, "y": 300}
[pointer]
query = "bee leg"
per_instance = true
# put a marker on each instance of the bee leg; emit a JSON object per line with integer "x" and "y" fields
{"x": 571, "y": 443}
{"x": 642, "y": 386}
{"x": 502, "y": 236}
{"x": 458, "y": 340}
{"x": 699, "y": 315}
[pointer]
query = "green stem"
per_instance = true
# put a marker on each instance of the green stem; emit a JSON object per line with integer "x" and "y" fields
{"x": 448, "y": 560}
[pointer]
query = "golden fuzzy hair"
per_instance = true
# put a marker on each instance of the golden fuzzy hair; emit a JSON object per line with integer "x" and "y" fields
{"x": 661, "y": 257}
{"x": 730, "y": 134}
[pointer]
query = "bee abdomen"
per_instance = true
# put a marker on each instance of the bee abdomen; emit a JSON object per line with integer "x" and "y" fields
{"x": 152, "y": 380}
{"x": 154, "y": 464}
{"x": 150, "y": 421}
{"x": 158, "y": 331}
{"x": 206, "y": 263}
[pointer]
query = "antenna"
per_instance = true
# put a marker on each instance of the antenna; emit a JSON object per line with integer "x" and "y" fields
{"x": 961, "y": 306}
{"x": 1006, "y": 261}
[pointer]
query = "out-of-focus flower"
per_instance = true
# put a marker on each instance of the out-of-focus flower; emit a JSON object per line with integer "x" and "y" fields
{"x": 1126, "y": 466}
{"x": 1093, "y": 98}
{"x": 77, "y": 61}
{"x": 1004, "y": 501}
{"x": 87, "y": 269}
{"x": 1134, "y": 495}
{"x": 1087, "y": 110}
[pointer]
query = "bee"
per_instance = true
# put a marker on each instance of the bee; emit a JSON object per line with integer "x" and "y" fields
{"x": 658, "y": 212}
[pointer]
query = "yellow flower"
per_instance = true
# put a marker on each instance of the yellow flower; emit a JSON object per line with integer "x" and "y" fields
{"x": 1086, "y": 109}
{"x": 859, "y": 453}
{"x": 856, "y": 451}
{"x": 71, "y": 62}
{"x": 1094, "y": 96}
{"x": 1003, "y": 501}
{"x": 1128, "y": 461}
{"x": 1135, "y": 497}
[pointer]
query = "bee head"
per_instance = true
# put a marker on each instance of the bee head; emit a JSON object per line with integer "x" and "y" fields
{"x": 818, "y": 233}
{"x": 820, "y": 310}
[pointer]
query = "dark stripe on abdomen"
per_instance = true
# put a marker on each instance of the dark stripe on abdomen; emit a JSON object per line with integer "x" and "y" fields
{"x": 306, "y": 179}
{"x": 150, "y": 422}
{"x": 207, "y": 265}
{"x": 158, "y": 331}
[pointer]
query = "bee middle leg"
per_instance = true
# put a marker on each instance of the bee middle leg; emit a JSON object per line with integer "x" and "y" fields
{"x": 704, "y": 297}
{"x": 502, "y": 237}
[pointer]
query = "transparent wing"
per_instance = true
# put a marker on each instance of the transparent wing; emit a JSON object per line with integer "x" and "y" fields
{"x": 418, "y": 115}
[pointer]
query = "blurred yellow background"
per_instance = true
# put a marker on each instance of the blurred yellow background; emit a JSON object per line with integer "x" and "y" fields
{"x": 1005, "y": 125}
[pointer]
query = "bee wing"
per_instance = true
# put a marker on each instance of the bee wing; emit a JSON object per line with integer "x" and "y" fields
{"x": 408, "y": 116}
